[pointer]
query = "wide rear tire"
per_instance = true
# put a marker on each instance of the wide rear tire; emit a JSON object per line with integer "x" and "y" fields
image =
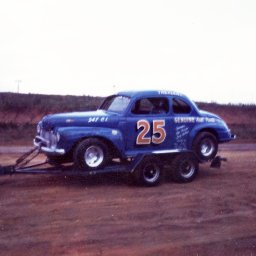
{"x": 205, "y": 146}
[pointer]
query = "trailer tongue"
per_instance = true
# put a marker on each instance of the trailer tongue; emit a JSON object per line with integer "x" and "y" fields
{"x": 21, "y": 166}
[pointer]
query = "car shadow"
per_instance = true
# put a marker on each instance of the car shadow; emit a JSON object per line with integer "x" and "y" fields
{"x": 51, "y": 180}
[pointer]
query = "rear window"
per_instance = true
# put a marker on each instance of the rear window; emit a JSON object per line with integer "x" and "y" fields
{"x": 180, "y": 107}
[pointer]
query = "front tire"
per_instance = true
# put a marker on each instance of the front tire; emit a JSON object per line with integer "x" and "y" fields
{"x": 149, "y": 172}
{"x": 205, "y": 146}
{"x": 91, "y": 154}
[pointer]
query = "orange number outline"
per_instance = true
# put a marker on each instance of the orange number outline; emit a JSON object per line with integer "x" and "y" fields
{"x": 158, "y": 128}
{"x": 141, "y": 140}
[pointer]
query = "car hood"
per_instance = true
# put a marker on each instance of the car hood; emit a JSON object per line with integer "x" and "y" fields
{"x": 90, "y": 118}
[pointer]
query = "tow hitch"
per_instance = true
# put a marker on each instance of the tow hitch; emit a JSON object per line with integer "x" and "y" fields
{"x": 22, "y": 162}
{"x": 216, "y": 162}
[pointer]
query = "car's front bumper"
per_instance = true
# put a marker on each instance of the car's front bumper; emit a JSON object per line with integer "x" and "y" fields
{"x": 41, "y": 143}
{"x": 233, "y": 136}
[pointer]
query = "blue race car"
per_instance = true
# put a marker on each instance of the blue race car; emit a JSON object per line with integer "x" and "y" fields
{"x": 154, "y": 124}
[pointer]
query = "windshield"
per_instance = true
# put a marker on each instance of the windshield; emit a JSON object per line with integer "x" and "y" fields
{"x": 116, "y": 103}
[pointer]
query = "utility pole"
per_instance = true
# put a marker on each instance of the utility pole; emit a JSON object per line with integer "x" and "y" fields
{"x": 18, "y": 85}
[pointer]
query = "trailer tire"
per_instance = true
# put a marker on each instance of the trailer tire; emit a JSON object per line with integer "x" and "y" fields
{"x": 91, "y": 154}
{"x": 184, "y": 168}
{"x": 149, "y": 172}
{"x": 205, "y": 146}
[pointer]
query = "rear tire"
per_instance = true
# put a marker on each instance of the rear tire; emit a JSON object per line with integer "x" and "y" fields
{"x": 91, "y": 154}
{"x": 149, "y": 172}
{"x": 205, "y": 146}
{"x": 184, "y": 167}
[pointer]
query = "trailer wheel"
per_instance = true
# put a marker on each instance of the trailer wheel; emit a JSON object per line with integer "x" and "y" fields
{"x": 184, "y": 167}
{"x": 205, "y": 146}
{"x": 91, "y": 154}
{"x": 149, "y": 172}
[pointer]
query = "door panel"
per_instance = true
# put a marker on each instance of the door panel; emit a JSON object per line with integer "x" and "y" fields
{"x": 149, "y": 126}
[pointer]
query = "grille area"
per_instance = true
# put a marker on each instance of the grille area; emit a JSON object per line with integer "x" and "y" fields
{"x": 49, "y": 138}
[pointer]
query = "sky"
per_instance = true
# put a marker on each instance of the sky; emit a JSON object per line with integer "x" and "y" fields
{"x": 204, "y": 49}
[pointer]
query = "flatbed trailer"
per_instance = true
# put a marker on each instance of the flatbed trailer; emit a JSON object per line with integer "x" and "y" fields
{"x": 144, "y": 169}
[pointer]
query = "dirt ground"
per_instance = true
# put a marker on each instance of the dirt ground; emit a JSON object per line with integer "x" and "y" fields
{"x": 102, "y": 215}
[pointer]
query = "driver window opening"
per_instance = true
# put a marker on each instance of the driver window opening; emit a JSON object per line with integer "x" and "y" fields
{"x": 151, "y": 106}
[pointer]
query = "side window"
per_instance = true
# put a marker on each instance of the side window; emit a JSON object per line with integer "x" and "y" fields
{"x": 151, "y": 106}
{"x": 142, "y": 106}
{"x": 180, "y": 107}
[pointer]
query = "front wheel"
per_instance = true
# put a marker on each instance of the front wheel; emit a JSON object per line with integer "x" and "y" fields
{"x": 91, "y": 154}
{"x": 184, "y": 167}
{"x": 149, "y": 172}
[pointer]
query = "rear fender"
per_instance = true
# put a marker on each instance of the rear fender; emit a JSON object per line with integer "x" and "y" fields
{"x": 213, "y": 128}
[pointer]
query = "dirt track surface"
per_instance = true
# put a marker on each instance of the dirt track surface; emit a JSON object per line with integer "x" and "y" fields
{"x": 102, "y": 215}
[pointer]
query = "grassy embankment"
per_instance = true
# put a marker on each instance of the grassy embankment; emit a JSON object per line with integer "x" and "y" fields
{"x": 19, "y": 114}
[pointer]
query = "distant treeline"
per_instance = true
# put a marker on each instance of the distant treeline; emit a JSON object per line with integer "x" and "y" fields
{"x": 19, "y": 114}
{"x": 46, "y": 103}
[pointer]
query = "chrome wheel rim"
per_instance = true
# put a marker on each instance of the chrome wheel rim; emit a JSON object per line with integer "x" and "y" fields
{"x": 151, "y": 173}
{"x": 93, "y": 156}
{"x": 187, "y": 169}
{"x": 207, "y": 147}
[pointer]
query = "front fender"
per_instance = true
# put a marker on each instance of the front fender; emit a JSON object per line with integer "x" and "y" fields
{"x": 69, "y": 136}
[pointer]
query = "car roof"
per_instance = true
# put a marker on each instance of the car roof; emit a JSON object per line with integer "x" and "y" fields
{"x": 150, "y": 93}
